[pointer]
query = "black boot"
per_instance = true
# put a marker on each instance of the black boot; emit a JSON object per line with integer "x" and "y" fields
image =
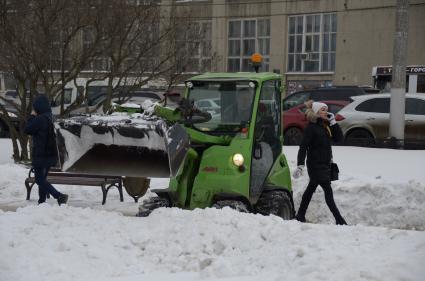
{"x": 340, "y": 221}
{"x": 62, "y": 199}
{"x": 300, "y": 218}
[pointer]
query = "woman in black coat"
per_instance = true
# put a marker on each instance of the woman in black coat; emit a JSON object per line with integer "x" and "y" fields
{"x": 317, "y": 140}
{"x": 43, "y": 157}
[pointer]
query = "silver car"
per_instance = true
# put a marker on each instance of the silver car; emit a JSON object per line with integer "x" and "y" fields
{"x": 366, "y": 119}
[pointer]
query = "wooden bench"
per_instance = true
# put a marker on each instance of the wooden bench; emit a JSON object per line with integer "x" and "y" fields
{"x": 58, "y": 177}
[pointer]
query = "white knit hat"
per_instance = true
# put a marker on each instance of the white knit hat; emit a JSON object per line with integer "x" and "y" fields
{"x": 317, "y": 106}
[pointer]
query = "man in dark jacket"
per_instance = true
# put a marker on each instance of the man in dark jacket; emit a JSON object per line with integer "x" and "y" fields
{"x": 43, "y": 157}
{"x": 316, "y": 143}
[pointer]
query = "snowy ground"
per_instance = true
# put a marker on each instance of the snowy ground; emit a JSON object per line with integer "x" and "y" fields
{"x": 380, "y": 192}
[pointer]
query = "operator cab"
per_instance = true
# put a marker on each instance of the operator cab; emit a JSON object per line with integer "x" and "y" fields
{"x": 238, "y": 110}
{"x": 233, "y": 102}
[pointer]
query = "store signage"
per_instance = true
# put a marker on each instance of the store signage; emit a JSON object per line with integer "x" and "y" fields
{"x": 387, "y": 70}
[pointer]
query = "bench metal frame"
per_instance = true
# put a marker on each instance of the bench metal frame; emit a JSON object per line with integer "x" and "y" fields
{"x": 63, "y": 178}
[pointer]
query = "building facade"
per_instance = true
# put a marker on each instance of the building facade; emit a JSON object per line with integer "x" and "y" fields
{"x": 311, "y": 42}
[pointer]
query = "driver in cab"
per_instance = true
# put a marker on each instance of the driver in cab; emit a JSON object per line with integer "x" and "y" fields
{"x": 244, "y": 103}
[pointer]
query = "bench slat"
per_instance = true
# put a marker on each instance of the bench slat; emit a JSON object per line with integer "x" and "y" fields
{"x": 77, "y": 180}
{"x": 69, "y": 175}
{"x": 58, "y": 177}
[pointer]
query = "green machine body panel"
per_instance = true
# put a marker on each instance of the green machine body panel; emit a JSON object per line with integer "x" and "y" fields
{"x": 209, "y": 170}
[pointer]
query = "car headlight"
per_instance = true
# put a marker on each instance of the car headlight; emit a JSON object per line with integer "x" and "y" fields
{"x": 11, "y": 114}
{"x": 238, "y": 159}
{"x": 189, "y": 85}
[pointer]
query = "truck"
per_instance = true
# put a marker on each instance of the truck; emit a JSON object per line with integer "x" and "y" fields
{"x": 232, "y": 160}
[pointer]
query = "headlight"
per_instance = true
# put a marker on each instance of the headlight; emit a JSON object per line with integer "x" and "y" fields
{"x": 11, "y": 114}
{"x": 238, "y": 159}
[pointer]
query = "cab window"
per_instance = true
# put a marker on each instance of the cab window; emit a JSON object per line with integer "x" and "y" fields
{"x": 268, "y": 116}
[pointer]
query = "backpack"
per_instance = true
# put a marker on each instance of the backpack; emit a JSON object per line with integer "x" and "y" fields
{"x": 51, "y": 147}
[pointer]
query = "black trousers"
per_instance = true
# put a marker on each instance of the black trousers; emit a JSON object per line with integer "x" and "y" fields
{"x": 329, "y": 197}
{"x": 44, "y": 187}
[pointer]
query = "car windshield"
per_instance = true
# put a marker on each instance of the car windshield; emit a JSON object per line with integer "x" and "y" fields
{"x": 135, "y": 97}
{"x": 229, "y": 103}
{"x": 95, "y": 94}
{"x": 295, "y": 99}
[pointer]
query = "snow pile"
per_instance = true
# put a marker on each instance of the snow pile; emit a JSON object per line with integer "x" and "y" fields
{"x": 371, "y": 193}
{"x": 375, "y": 204}
{"x": 67, "y": 243}
{"x": 130, "y": 105}
{"x": 139, "y": 120}
{"x": 89, "y": 241}
{"x": 377, "y": 187}
{"x": 149, "y": 106}
{"x": 12, "y": 188}
{"x": 81, "y": 134}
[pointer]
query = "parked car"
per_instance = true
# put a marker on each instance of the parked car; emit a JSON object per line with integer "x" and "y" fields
{"x": 370, "y": 90}
{"x": 366, "y": 120}
{"x": 294, "y": 120}
{"x": 13, "y": 117}
{"x": 210, "y": 105}
{"x": 12, "y": 97}
{"x": 132, "y": 97}
{"x": 321, "y": 94}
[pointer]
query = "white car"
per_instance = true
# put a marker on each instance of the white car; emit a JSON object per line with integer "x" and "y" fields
{"x": 210, "y": 105}
{"x": 366, "y": 120}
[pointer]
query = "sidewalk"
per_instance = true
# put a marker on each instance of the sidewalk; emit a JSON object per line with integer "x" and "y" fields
{"x": 127, "y": 208}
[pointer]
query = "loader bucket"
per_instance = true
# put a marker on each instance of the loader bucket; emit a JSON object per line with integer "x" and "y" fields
{"x": 120, "y": 145}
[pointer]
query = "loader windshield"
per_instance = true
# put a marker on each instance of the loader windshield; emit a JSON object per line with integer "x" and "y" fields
{"x": 230, "y": 104}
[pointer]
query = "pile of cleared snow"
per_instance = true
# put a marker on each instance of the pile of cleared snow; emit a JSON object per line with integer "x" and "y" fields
{"x": 370, "y": 192}
{"x": 48, "y": 242}
{"x": 377, "y": 187}
{"x": 374, "y": 204}
{"x": 81, "y": 133}
{"x": 66, "y": 243}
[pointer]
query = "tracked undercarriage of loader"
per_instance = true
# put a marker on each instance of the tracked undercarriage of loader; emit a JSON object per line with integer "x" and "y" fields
{"x": 221, "y": 147}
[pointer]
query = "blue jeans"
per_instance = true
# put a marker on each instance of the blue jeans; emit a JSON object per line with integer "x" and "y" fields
{"x": 44, "y": 187}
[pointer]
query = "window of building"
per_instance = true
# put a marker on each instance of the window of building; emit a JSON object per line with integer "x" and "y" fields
{"x": 245, "y": 38}
{"x": 186, "y": 1}
{"x": 57, "y": 58}
{"x": 142, "y": 47}
{"x": 312, "y": 43}
{"x": 98, "y": 63}
{"x": 203, "y": 53}
{"x": 197, "y": 43}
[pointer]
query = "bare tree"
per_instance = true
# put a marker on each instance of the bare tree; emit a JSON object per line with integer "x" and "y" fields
{"x": 142, "y": 45}
{"x": 46, "y": 44}
{"x": 28, "y": 33}
{"x": 16, "y": 47}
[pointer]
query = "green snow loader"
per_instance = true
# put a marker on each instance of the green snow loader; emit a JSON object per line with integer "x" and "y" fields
{"x": 221, "y": 147}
